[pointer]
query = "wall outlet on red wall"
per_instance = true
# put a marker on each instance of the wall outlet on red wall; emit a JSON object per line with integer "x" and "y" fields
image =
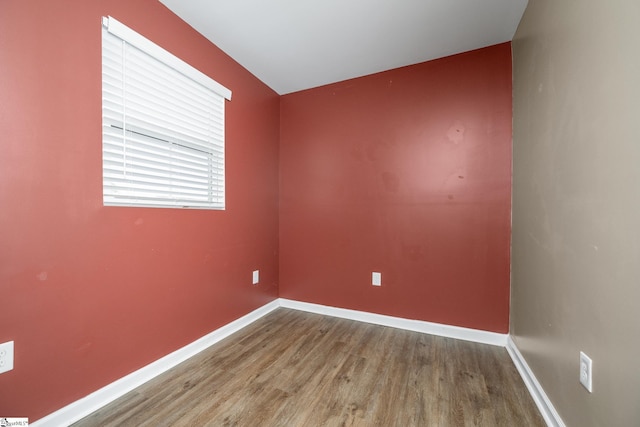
{"x": 376, "y": 278}
{"x": 6, "y": 356}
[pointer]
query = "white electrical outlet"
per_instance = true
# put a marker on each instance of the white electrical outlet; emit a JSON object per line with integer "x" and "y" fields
{"x": 256, "y": 277}
{"x": 376, "y": 279}
{"x": 586, "y": 372}
{"x": 6, "y": 356}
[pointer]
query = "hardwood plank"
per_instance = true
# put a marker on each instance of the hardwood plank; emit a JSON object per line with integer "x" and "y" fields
{"x": 292, "y": 368}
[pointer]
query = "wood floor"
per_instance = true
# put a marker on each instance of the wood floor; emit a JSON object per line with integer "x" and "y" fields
{"x": 292, "y": 368}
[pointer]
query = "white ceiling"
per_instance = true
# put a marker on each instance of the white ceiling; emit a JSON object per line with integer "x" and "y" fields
{"x": 293, "y": 45}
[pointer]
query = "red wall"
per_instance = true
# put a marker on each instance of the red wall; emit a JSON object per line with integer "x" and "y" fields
{"x": 92, "y": 293}
{"x": 406, "y": 172}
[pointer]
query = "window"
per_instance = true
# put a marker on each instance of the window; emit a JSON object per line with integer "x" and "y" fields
{"x": 162, "y": 126}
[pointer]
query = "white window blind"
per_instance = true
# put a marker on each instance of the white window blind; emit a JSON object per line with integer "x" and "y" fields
{"x": 162, "y": 126}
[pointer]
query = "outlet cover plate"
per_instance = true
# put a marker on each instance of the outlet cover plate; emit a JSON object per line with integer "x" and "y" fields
{"x": 256, "y": 276}
{"x": 376, "y": 278}
{"x": 6, "y": 356}
{"x": 586, "y": 372}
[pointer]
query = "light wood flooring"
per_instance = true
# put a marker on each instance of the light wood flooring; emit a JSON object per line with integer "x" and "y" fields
{"x": 292, "y": 368}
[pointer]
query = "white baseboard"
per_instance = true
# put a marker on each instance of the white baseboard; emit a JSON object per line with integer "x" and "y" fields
{"x": 448, "y": 331}
{"x": 549, "y": 413}
{"x": 85, "y": 406}
{"x": 96, "y": 400}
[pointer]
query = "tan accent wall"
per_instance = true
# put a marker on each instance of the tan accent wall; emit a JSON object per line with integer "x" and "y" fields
{"x": 576, "y": 204}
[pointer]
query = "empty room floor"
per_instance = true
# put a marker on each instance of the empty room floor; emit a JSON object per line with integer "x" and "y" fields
{"x": 292, "y": 368}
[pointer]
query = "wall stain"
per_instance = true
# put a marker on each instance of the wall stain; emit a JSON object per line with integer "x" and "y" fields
{"x": 455, "y": 133}
{"x": 357, "y": 153}
{"x": 413, "y": 252}
{"x": 83, "y": 348}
